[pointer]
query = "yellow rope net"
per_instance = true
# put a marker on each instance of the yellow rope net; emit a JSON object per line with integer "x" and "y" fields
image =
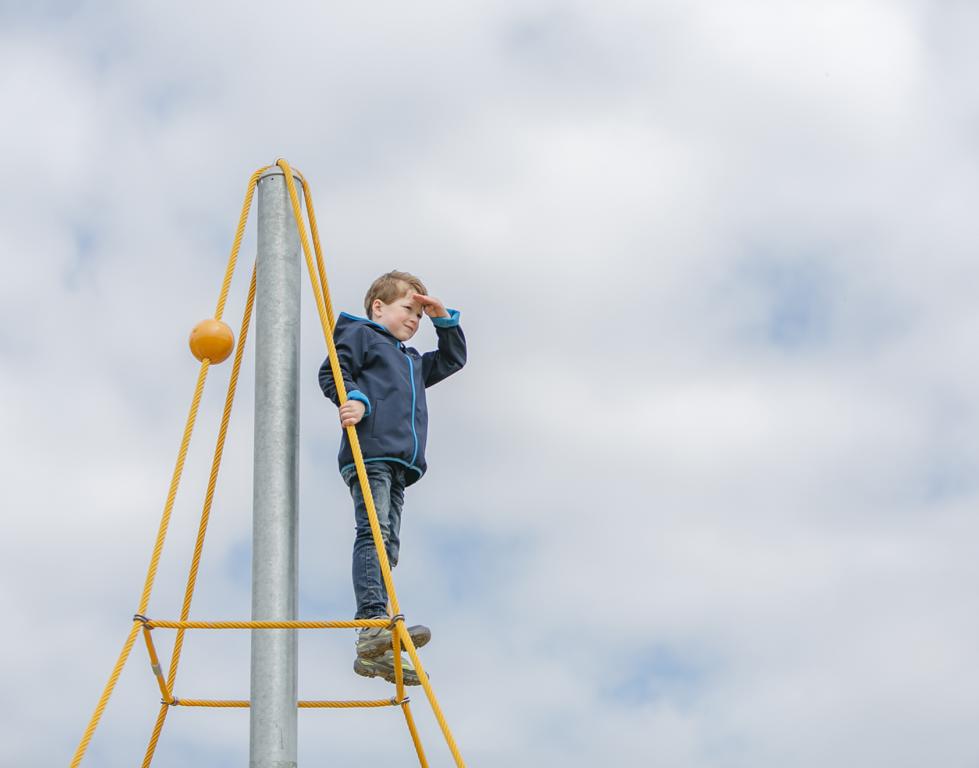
{"x": 144, "y": 625}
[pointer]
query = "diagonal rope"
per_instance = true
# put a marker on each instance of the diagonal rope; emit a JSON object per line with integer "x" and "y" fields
{"x": 429, "y": 692}
{"x": 212, "y": 480}
{"x": 246, "y": 207}
{"x": 321, "y": 291}
{"x": 208, "y": 503}
{"x": 155, "y": 736}
{"x": 320, "y": 268}
{"x": 151, "y": 572}
{"x": 399, "y": 695}
{"x": 172, "y": 492}
{"x": 406, "y": 708}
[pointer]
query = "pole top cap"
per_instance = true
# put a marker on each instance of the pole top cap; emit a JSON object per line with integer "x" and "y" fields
{"x": 274, "y": 170}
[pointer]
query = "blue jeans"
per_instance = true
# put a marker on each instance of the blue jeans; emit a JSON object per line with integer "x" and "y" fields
{"x": 387, "y": 482}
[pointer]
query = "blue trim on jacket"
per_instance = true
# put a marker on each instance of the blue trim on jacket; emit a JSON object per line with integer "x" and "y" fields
{"x": 414, "y": 433}
{"x": 403, "y": 463}
{"x": 364, "y": 320}
{"x": 358, "y": 395}
{"x": 447, "y": 322}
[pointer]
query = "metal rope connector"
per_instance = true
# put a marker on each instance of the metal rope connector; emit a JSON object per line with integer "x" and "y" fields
{"x": 141, "y": 619}
{"x": 173, "y": 703}
{"x": 396, "y": 703}
{"x": 395, "y": 619}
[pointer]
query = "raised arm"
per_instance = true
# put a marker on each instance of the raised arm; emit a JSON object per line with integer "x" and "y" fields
{"x": 451, "y": 353}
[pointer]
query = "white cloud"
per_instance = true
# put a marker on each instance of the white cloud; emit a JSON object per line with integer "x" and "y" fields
{"x": 703, "y": 494}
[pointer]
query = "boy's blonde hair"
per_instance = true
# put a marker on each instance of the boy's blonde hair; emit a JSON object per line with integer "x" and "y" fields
{"x": 390, "y": 286}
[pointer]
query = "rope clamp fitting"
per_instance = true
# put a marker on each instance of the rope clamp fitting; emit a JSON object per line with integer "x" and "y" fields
{"x": 396, "y": 703}
{"x": 173, "y": 703}
{"x": 141, "y": 619}
{"x": 395, "y": 619}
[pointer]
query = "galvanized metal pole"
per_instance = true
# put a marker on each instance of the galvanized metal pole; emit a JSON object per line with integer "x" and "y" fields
{"x": 274, "y": 674}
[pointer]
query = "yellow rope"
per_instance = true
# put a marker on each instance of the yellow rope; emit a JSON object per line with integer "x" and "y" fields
{"x": 151, "y": 572}
{"x": 406, "y": 708}
{"x": 104, "y": 699}
{"x": 320, "y": 268}
{"x": 155, "y": 665}
{"x": 171, "y": 493}
{"x": 178, "y": 470}
{"x": 268, "y": 624}
{"x": 346, "y": 704}
{"x": 213, "y": 479}
{"x": 245, "y": 704}
{"x": 399, "y": 678}
{"x": 155, "y": 736}
{"x": 321, "y": 293}
{"x": 326, "y": 321}
{"x": 236, "y": 245}
{"x": 436, "y": 709}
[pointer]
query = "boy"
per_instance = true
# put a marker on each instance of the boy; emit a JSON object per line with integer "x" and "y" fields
{"x": 385, "y": 382}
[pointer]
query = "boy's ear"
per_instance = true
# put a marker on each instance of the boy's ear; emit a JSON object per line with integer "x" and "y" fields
{"x": 375, "y": 305}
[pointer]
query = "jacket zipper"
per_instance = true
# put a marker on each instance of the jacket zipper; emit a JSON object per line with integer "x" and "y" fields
{"x": 414, "y": 434}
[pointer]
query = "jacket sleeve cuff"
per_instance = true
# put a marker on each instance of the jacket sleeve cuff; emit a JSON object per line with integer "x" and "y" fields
{"x": 358, "y": 395}
{"x": 447, "y": 322}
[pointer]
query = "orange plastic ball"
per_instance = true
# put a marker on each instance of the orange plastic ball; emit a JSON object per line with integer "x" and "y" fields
{"x": 212, "y": 339}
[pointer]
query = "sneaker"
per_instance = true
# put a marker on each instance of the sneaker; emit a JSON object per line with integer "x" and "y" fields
{"x": 374, "y": 641}
{"x": 383, "y": 666}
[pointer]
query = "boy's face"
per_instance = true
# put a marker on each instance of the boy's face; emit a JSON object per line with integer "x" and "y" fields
{"x": 401, "y": 317}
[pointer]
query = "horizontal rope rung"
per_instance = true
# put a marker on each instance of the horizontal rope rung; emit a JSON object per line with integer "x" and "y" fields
{"x": 244, "y": 704}
{"x": 158, "y": 624}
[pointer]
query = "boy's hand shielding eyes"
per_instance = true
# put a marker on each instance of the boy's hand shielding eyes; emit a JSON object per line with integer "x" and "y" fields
{"x": 430, "y": 305}
{"x": 351, "y": 412}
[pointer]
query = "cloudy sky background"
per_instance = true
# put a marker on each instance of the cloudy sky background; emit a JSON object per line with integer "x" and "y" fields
{"x": 704, "y": 495}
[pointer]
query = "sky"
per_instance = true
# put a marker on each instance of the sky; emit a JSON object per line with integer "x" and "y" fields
{"x": 704, "y": 495}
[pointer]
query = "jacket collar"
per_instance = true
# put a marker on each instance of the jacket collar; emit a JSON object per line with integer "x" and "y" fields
{"x": 375, "y": 326}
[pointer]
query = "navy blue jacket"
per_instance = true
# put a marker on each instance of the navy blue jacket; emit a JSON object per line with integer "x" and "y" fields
{"x": 390, "y": 379}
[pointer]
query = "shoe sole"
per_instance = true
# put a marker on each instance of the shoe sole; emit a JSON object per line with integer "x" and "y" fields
{"x": 367, "y": 668}
{"x": 419, "y": 635}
